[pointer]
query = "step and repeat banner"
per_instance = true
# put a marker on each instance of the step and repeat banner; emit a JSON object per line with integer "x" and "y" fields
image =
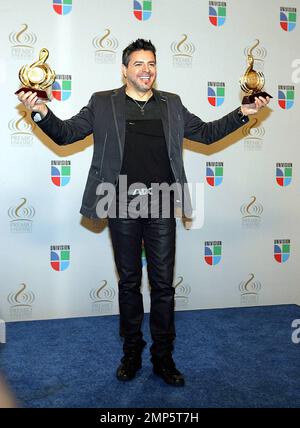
{"x": 56, "y": 263}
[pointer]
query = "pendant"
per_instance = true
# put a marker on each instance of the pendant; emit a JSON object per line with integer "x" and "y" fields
{"x": 142, "y": 111}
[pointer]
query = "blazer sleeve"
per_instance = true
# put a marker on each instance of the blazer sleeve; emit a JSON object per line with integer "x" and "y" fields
{"x": 68, "y": 131}
{"x": 209, "y": 132}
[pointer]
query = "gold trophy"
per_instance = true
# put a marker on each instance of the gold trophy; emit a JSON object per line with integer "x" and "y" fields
{"x": 252, "y": 81}
{"x": 37, "y": 76}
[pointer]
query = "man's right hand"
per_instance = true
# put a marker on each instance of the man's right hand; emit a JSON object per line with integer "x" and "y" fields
{"x": 33, "y": 103}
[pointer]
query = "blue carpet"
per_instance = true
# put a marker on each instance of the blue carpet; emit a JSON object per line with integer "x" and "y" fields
{"x": 240, "y": 357}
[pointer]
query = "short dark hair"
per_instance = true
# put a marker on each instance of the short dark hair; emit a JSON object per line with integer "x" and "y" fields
{"x": 138, "y": 45}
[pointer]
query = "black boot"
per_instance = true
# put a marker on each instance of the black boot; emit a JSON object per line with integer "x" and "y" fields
{"x": 131, "y": 362}
{"x": 166, "y": 369}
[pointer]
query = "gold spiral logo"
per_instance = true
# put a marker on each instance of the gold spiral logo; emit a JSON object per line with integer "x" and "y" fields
{"x": 253, "y": 131}
{"x": 21, "y": 212}
{"x": 182, "y": 290}
{"x": 183, "y": 48}
{"x": 106, "y": 43}
{"x": 250, "y": 286}
{"x": 102, "y": 293}
{"x": 22, "y": 297}
{"x": 21, "y": 126}
{"x": 252, "y": 209}
{"x": 23, "y": 38}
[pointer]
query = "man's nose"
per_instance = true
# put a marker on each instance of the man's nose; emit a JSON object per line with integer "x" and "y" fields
{"x": 146, "y": 67}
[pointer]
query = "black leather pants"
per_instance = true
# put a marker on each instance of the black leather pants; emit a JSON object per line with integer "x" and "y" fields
{"x": 158, "y": 235}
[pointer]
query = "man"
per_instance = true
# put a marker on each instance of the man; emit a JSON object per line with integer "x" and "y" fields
{"x": 138, "y": 133}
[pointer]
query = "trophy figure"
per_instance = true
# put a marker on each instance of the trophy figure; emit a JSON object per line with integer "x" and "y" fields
{"x": 37, "y": 76}
{"x": 252, "y": 81}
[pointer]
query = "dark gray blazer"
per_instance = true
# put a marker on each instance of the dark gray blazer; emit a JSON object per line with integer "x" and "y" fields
{"x": 104, "y": 116}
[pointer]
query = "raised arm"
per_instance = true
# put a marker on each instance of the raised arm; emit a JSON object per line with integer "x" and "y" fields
{"x": 209, "y": 132}
{"x": 62, "y": 132}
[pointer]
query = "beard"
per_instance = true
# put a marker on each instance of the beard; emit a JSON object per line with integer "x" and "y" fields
{"x": 140, "y": 86}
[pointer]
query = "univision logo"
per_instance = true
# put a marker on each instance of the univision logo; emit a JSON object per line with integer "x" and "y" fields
{"x": 212, "y": 252}
{"x": 217, "y": 13}
{"x": 21, "y": 217}
{"x": 182, "y": 293}
{"x": 60, "y": 257}
{"x": 282, "y": 248}
{"x": 22, "y": 43}
{"x": 216, "y": 93}
{"x": 288, "y": 18}
{"x": 60, "y": 173}
{"x": 142, "y": 9}
{"x": 61, "y": 88}
{"x": 21, "y": 130}
{"x": 286, "y": 95}
{"x": 214, "y": 173}
{"x": 183, "y": 52}
{"x": 62, "y": 7}
{"x": 284, "y": 174}
{"x": 21, "y": 303}
{"x": 249, "y": 291}
{"x": 102, "y": 298}
{"x": 106, "y": 47}
{"x": 143, "y": 257}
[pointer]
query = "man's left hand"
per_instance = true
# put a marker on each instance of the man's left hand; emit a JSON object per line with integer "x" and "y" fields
{"x": 259, "y": 103}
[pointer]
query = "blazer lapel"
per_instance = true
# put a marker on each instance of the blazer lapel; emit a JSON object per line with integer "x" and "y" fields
{"x": 118, "y": 106}
{"x": 163, "y": 103}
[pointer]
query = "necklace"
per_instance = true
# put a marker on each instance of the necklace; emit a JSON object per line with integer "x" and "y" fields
{"x": 141, "y": 107}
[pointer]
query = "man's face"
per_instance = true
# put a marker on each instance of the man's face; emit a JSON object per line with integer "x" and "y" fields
{"x": 140, "y": 73}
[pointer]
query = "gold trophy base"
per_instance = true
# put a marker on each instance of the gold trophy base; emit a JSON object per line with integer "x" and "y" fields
{"x": 40, "y": 94}
{"x": 250, "y": 99}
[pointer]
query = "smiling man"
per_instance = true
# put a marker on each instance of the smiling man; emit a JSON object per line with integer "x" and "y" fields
{"x": 138, "y": 135}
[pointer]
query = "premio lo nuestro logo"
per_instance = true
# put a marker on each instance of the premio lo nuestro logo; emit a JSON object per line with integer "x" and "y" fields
{"x": 60, "y": 257}
{"x": 282, "y": 248}
{"x": 217, "y": 13}
{"x": 214, "y": 173}
{"x": 60, "y": 173}
{"x": 284, "y": 174}
{"x": 259, "y": 53}
{"x": 22, "y": 43}
{"x": 216, "y": 93}
{"x": 21, "y": 303}
{"x": 249, "y": 290}
{"x": 106, "y": 47}
{"x": 21, "y": 130}
{"x": 212, "y": 252}
{"x": 142, "y": 9}
{"x": 61, "y": 88}
{"x": 253, "y": 135}
{"x": 288, "y": 18}
{"x": 251, "y": 213}
{"x": 21, "y": 217}
{"x": 102, "y": 298}
{"x": 286, "y": 95}
{"x": 183, "y": 52}
{"x": 62, "y": 7}
{"x": 182, "y": 293}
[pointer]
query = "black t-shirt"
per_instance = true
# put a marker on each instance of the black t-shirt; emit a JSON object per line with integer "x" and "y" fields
{"x": 145, "y": 158}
